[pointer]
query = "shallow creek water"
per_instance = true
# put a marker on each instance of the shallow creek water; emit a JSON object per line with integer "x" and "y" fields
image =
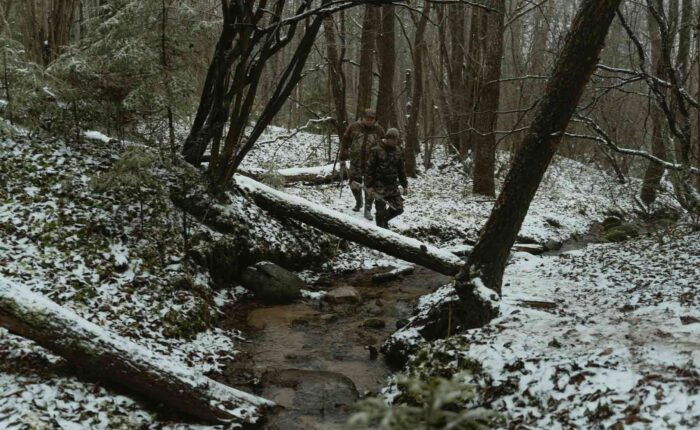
{"x": 314, "y": 358}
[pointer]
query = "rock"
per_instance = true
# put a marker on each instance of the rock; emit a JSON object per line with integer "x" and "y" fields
{"x": 554, "y": 343}
{"x": 271, "y": 283}
{"x": 309, "y": 399}
{"x": 621, "y": 233}
{"x": 553, "y": 245}
{"x": 343, "y": 295}
{"x": 329, "y": 318}
{"x": 689, "y": 319}
{"x": 374, "y": 323}
{"x": 611, "y": 222}
{"x": 554, "y": 223}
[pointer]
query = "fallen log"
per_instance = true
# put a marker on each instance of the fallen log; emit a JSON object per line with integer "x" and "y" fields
{"x": 122, "y": 361}
{"x": 350, "y": 228}
{"x": 391, "y": 275}
{"x": 315, "y": 175}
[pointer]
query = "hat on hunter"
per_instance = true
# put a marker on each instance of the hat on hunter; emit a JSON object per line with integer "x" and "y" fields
{"x": 392, "y": 133}
{"x": 370, "y": 113}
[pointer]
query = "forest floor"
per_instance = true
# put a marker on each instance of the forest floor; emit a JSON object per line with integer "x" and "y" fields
{"x": 590, "y": 336}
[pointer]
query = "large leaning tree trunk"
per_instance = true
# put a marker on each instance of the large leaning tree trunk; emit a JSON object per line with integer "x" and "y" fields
{"x": 416, "y": 93}
{"x": 577, "y": 61}
{"x": 485, "y": 116}
{"x": 370, "y": 24}
{"x": 252, "y": 33}
{"x": 111, "y": 357}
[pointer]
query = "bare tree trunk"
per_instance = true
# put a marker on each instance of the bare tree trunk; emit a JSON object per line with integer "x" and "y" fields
{"x": 572, "y": 72}
{"x": 416, "y": 93}
{"x": 473, "y": 76}
{"x": 654, "y": 172}
{"x": 460, "y": 97}
{"x": 335, "y": 75}
{"x": 486, "y": 118}
{"x": 386, "y": 48}
{"x": 370, "y": 24}
{"x": 166, "y": 79}
{"x": 46, "y": 27}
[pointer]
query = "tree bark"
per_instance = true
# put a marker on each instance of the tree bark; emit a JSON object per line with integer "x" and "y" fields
{"x": 654, "y": 172}
{"x": 335, "y": 75}
{"x": 572, "y": 72}
{"x": 485, "y": 117}
{"x": 386, "y": 48}
{"x": 370, "y": 25}
{"x": 121, "y": 361}
{"x": 349, "y": 228}
{"x": 416, "y": 93}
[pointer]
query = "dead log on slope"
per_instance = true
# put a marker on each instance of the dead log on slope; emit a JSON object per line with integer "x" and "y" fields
{"x": 350, "y": 228}
{"x": 315, "y": 175}
{"x": 122, "y": 361}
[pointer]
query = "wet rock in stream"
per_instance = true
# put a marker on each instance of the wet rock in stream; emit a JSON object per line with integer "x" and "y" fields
{"x": 272, "y": 283}
{"x": 309, "y": 399}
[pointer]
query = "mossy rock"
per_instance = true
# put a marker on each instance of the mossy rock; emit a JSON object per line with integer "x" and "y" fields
{"x": 612, "y": 212}
{"x": 611, "y": 222}
{"x": 374, "y": 323}
{"x": 621, "y": 233}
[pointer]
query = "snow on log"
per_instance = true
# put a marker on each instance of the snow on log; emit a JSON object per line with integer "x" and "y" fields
{"x": 350, "y": 228}
{"x": 122, "y": 361}
{"x": 308, "y": 175}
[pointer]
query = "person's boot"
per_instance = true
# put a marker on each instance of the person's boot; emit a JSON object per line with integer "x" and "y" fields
{"x": 368, "y": 212}
{"x": 358, "y": 200}
{"x": 380, "y": 223}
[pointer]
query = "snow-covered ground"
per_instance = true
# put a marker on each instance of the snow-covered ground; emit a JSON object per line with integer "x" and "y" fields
{"x": 602, "y": 337}
{"x": 614, "y": 303}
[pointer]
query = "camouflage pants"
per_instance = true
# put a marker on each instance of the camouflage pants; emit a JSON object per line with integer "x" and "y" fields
{"x": 357, "y": 187}
{"x": 389, "y": 204}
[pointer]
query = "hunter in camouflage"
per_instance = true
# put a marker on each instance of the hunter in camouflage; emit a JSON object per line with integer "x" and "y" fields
{"x": 357, "y": 141}
{"x": 385, "y": 172}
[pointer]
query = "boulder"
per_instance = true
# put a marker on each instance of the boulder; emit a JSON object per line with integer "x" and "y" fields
{"x": 343, "y": 295}
{"x": 621, "y": 233}
{"x": 611, "y": 222}
{"x": 271, "y": 283}
{"x": 374, "y": 323}
{"x": 310, "y": 399}
{"x": 553, "y": 245}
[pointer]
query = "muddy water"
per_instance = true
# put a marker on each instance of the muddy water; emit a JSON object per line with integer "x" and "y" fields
{"x": 310, "y": 349}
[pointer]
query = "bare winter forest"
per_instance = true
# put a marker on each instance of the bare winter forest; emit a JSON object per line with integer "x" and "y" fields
{"x": 329, "y": 214}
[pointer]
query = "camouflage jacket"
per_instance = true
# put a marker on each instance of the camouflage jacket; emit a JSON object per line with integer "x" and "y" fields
{"x": 385, "y": 167}
{"x": 357, "y": 141}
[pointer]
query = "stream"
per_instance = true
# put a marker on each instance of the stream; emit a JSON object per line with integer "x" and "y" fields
{"x": 317, "y": 358}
